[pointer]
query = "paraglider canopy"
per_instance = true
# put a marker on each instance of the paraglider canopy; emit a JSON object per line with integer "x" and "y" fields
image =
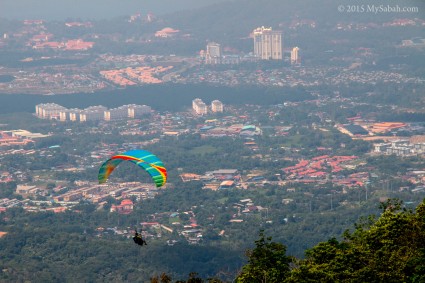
{"x": 143, "y": 158}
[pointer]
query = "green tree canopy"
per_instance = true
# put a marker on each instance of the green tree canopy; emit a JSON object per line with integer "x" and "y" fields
{"x": 267, "y": 262}
{"x": 387, "y": 249}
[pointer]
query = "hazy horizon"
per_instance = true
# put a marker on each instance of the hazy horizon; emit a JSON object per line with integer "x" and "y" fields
{"x": 93, "y": 9}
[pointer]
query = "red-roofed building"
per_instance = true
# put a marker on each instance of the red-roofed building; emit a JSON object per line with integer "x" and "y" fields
{"x": 42, "y": 37}
{"x": 49, "y": 44}
{"x": 60, "y": 209}
{"x": 166, "y": 32}
{"x": 149, "y": 224}
{"x": 322, "y": 157}
{"x": 126, "y": 207}
{"x": 79, "y": 24}
{"x": 227, "y": 184}
{"x": 33, "y": 22}
{"x": 78, "y": 44}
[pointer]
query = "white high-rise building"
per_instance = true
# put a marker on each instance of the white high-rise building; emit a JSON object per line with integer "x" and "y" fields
{"x": 213, "y": 54}
{"x": 135, "y": 111}
{"x": 86, "y": 116}
{"x": 116, "y": 113}
{"x": 217, "y": 106}
{"x": 268, "y": 44}
{"x": 93, "y": 113}
{"x": 295, "y": 58}
{"x": 70, "y": 115}
{"x": 48, "y": 110}
{"x": 74, "y": 115}
{"x": 199, "y": 106}
{"x": 64, "y": 115}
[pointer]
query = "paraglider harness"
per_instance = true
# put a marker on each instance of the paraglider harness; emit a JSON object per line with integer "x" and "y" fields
{"x": 138, "y": 238}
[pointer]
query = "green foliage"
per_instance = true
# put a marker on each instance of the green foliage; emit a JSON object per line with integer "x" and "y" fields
{"x": 390, "y": 165}
{"x": 38, "y": 246}
{"x": 267, "y": 262}
{"x": 7, "y": 190}
{"x": 193, "y": 278}
{"x": 163, "y": 278}
{"x": 388, "y": 249}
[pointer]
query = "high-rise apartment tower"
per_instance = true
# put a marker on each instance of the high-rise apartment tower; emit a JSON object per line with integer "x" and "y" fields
{"x": 295, "y": 57}
{"x": 213, "y": 55}
{"x": 268, "y": 43}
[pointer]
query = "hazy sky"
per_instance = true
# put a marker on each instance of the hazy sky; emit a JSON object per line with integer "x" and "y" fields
{"x": 91, "y": 9}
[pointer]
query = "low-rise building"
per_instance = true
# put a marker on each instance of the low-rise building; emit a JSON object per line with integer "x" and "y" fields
{"x": 400, "y": 148}
{"x": 26, "y": 190}
{"x": 125, "y": 207}
{"x": 166, "y": 32}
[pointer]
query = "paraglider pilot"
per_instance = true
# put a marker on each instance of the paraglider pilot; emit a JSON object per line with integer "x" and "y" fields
{"x": 138, "y": 238}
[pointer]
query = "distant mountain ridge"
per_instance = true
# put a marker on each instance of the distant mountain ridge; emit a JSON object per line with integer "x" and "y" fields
{"x": 92, "y": 9}
{"x": 239, "y": 17}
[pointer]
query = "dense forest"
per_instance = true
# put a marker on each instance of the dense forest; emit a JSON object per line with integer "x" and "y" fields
{"x": 48, "y": 248}
{"x": 390, "y": 248}
{"x": 166, "y": 97}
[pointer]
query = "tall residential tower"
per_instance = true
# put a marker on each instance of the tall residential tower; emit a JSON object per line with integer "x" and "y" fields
{"x": 217, "y": 106}
{"x": 295, "y": 57}
{"x": 199, "y": 106}
{"x": 268, "y": 44}
{"x": 213, "y": 55}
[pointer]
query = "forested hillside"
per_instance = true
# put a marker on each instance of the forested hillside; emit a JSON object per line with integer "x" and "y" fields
{"x": 390, "y": 248}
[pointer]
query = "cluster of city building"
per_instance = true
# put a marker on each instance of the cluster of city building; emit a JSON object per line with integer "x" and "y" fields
{"x": 43, "y": 40}
{"x": 166, "y": 32}
{"x": 94, "y": 193}
{"x": 316, "y": 170}
{"x": 292, "y": 77}
{"x": 245, "y": 206}
{"x": 92, "y": 113}
{"x": 6, "y": 203}
{"x": 268, "y": 45}
{"x": 7, "y": 139}
{"x": 246, "y": 131}
{"x": 133, "y": 76}
{"x": 214, "y": 180}
{"x": 17, "y": 138}
{"x": 189, "y": 229}
{"x": 148, "y": 18}
{"x": 415, "y": 42}
{"x": 228, "y": 178}
{"x": 400, "y": 148}
{"x": 359, "y": 127}
{"x": 201, "y": 108}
